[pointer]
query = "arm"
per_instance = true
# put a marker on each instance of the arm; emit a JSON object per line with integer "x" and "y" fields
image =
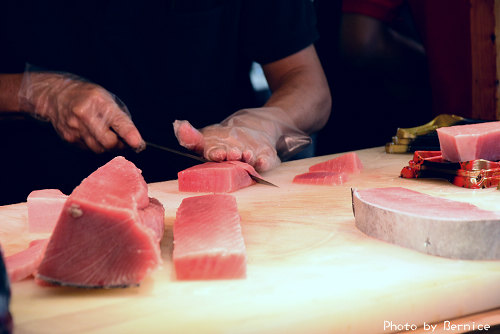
{"x": 299, "y": 105}
{"x": 299, "y": 88}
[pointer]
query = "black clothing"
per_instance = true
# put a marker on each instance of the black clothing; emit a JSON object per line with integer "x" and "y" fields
{"x": 166, "y": 60}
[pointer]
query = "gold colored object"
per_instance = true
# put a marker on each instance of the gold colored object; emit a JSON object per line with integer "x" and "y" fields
{"x": 406, "y": 136}
{"x": 438, "y": 122}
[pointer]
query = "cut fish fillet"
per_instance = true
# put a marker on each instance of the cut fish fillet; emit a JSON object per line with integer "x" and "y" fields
{"x": 25, "y": 263}
{"x": 44, "y": 208}
{"x": 102, "y": 238}
{"x": 321, "y": 178}
{"x": 335, "y": 171}
{"x": 216, "y": 177}
{"x": 470, "y": 142}
{"x": 208, "y": 243}
{"x": 348, "y": 163}
{"x": 428, "y": 224}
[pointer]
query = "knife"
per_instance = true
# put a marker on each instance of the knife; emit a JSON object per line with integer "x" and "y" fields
{"x": 196, "y": 157}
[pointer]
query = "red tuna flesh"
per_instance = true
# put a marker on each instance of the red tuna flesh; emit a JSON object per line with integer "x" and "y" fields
{"x": 24, "y": 263}
{"x": 153, "y": 216}
{"x": 100, "y": 239}
{"x": 469, "y": 142}
{"x": 412, "y": 202}
{"x": 321, "y": 178}
{"x": 217, "y": 177}
{"x": 347, "y": 163}
{"x": 208, "y": 243}
{"x": 44, "y": 208}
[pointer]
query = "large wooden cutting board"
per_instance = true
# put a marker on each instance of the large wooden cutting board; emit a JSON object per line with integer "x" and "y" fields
{"x": 309, "y": 269}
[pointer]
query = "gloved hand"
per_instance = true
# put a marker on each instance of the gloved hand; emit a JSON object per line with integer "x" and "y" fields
{"x": 256, "y": 136}
{"x": 80, "y": 111}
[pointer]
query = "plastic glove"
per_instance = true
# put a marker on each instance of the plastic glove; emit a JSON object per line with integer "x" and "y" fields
{"x": 256, "y": 136}
{"x": 80, "y": 111}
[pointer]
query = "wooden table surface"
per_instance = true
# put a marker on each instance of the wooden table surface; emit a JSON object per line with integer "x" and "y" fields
{"x": 309, "y": 270}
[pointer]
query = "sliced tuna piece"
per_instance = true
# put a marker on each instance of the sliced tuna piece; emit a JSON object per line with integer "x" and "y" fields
{"x": 428, "y": 224}
{"x": 348, "y": 163}
{"x": 216, "y": 177}
{"x": 469, "y": 142}
{"x": 44, "y": 208}
{"x": 25, "y": 263}
{"x": 208, "y": 243}
{"x": 321, "y": 178}
{"x": 153, "y": 216}
{"x": 101, "y": 238}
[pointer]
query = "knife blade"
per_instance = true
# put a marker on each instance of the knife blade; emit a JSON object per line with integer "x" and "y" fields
{"x": 198, "y": 158}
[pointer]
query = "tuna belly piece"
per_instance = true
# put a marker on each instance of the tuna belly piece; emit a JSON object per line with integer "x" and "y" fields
{"x": 469, "y": 142}
{"x": 216, "y": 177}
{"x": 208, "y": 243}
{"x": 321, "y": 178}
{"x": 428, "y": 224}
{"x": 348, "y": 163}
{"x": 44, "y": 208}
{"x": 96, "y": 246}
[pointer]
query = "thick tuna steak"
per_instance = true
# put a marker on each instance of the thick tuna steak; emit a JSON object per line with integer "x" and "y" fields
{"x": 469, "y": 142}
{"x": 44, "y": 208}
{"x": 428, "y": 224}
{"x": 101, "y": 238}
{"x": 208, "y": 243}
{"x": 348, "y": 163}
{"x": 216, "y": 177}
{"x": 321, "y": 178}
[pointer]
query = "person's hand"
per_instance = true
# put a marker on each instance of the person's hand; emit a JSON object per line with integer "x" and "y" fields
{"x": 256, "y": 136}
{"x": 80, "y": 111}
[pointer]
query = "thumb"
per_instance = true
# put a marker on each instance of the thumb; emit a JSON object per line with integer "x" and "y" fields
{"x": 188, "y": 136}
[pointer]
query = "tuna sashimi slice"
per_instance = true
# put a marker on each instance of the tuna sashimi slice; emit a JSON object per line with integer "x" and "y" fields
{"x": 25, "y": 263}
{"x": 216, "y": 177}
{"x": 469, "y": 142}
{"x": 103, "y": 237}
{"x": 348, "y": 163}
{"x": 44, "y": 208}
{"x": 428, "y": 224}
{"x": 321, "y": 178}
{"x": 208, "y": 243}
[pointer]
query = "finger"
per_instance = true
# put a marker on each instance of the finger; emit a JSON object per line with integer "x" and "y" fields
{"x": 89, "y": 141}
{"x": 126, "y": 130}
{"x": 266, "y": 160}
{"x": 249, "y": 157}
{"x": 188, "y": 136}
{"x": 233, "y": 154}
{"x": 216, "y": 153}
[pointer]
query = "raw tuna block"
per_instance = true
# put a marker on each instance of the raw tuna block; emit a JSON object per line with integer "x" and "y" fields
{"x": 215, "y": 177}
{"x": 208, "y": 243}
{"x": 44, "y": 208}
{"x": 428, "y": 224}
{"x": 25, "y": 263}
{"x": 348, "y": 163}
{"x": 469, "y": 142}
{"x": 321, "y": 178}
{"x": 102, "y": 238}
